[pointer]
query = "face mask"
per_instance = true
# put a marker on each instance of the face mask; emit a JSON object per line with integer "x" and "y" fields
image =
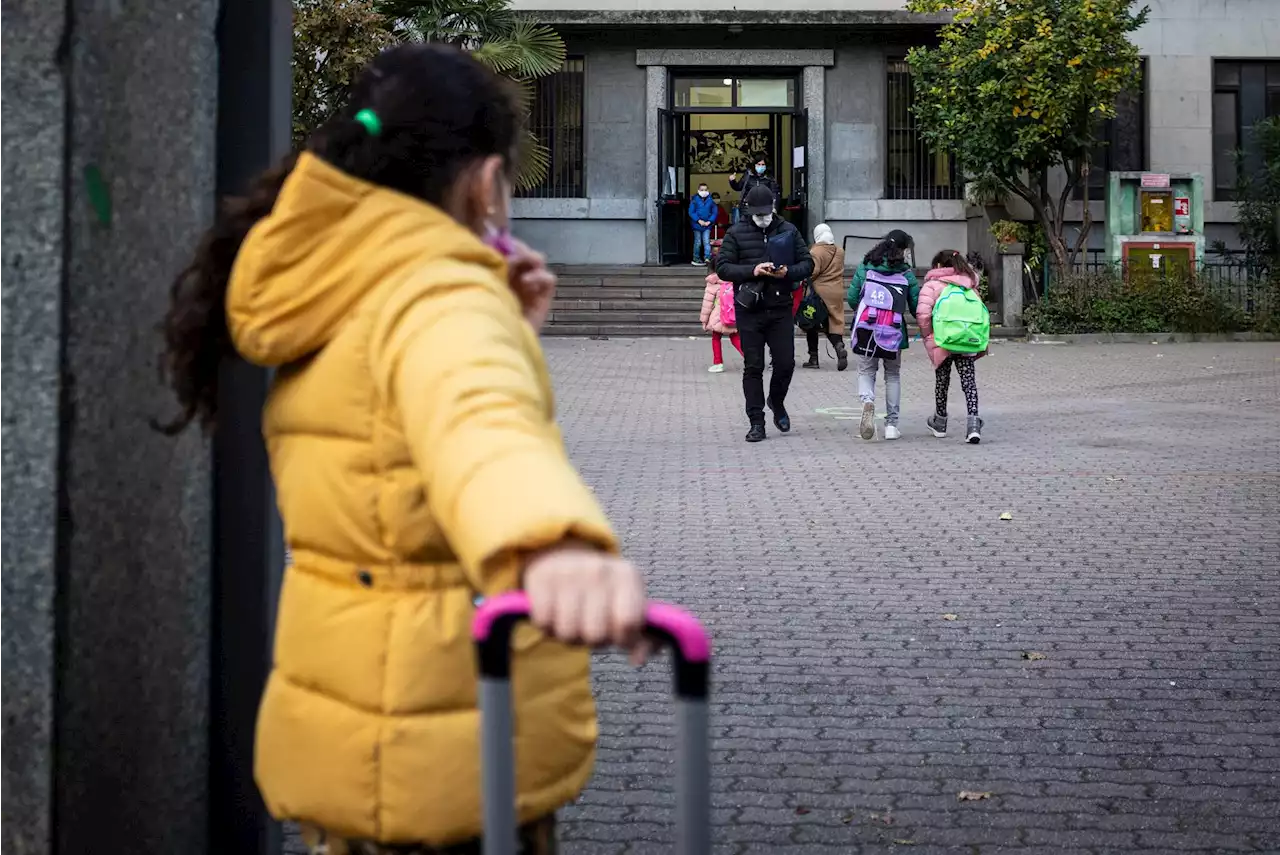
{"x": 762, "y": 220}
{"x": 703, "y": 193}
{"x": 500, "y": 241}
{"x": 759, "y": 170}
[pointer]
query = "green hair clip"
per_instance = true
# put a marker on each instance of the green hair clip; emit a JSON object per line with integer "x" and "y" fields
{"x": 371, "y": 122}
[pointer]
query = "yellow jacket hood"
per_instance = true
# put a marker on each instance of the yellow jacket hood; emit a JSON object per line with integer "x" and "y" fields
{"x": 327, "y": 242}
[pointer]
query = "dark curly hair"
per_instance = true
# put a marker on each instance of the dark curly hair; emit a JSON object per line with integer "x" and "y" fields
{"x": 439, "y": 110}
{"x": 886, "y": 252}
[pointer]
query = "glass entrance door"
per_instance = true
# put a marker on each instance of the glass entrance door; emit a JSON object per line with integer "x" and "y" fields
{"x": 673, "y": 190}
{"x": 797, "y": 203}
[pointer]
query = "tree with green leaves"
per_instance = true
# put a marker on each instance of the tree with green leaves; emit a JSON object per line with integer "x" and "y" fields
{"x": 1017, "y": 88}
{"x": 513, "y": 46}
{"x": 334, "y": 39}
{"x": 1258, "y": 194}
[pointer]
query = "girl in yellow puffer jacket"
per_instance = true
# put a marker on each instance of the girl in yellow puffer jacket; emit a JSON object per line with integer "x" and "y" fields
{"x": 417, "y": 462}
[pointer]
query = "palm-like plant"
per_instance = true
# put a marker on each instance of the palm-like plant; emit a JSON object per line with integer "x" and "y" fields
{"x": 511, "y": 45}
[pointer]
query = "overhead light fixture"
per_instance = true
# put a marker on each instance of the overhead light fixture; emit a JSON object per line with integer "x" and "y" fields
{"x": 735, "y": 28}
{"x": 728, "y": 81}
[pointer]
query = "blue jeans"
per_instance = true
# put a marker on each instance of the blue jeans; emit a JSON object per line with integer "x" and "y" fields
{"x": 701, "y": 245}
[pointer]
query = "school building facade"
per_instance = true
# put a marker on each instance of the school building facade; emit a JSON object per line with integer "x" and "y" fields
{"x": 659, "y": 95}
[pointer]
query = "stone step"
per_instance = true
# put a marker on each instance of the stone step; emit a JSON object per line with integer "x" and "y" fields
{"x": 625, "y": 330}
{"x": 658, "y": 282}
{"x": 693, "y": 305}
{"x": 639, "y": 318}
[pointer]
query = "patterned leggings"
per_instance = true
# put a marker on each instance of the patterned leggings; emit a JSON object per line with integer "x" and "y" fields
{"x": 536, "y": 838}
{"x": 968, "y": 383}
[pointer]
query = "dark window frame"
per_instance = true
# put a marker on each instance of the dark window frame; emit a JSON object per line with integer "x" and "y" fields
{"x": 564, "y": 140}
{"x": 1256, "y": 84}
{"x": 923, "y": 181}
{"x": 1104, "y": 158}
{"x": 676, "y": 75}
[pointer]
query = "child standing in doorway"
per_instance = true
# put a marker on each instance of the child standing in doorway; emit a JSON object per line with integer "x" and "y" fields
{"x": 702, "y": 214}
{"x": 950, "y": 268}
{"x": 719, "y": 317}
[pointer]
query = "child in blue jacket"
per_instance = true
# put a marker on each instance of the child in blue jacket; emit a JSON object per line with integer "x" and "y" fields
{"x": 702, "y": 213}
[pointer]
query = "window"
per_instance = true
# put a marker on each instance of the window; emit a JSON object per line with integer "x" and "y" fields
{"x": 1122, "y": 141}
{"x": 727, "y": 93}
{"x": 1244, "y": 93}
{"x": 912, "y": 170}
{"x": 699, "y": 92}
{"x": 555, "y": 118}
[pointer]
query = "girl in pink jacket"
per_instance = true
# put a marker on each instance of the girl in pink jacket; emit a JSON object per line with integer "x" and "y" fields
{"x": 718, "y": 318}
{"x": 949, "y": 268}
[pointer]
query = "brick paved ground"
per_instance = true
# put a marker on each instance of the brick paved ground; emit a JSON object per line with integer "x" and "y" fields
{"x": 1142, "y": 561}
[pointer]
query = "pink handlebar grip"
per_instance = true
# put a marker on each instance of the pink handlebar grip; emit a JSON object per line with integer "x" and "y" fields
{"x": 684, "y": 630}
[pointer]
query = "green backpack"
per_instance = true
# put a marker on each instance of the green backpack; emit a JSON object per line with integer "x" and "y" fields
{"x": 961, "y": 322}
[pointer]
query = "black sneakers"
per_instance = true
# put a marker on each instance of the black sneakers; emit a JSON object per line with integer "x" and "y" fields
{"x": 756, "y": 434}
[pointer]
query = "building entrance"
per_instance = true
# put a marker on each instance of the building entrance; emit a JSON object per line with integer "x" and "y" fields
{"x": 715, "y": 128}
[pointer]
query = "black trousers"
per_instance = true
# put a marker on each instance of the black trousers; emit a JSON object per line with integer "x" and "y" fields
{"x": 758, "y": 328}
{"x": 811, "y": 336}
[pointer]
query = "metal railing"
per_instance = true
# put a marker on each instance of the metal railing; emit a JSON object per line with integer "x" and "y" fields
{"x": 912, "y": 169}
{"x": 1236, "y": 277}
{"x": 556, "y": 119}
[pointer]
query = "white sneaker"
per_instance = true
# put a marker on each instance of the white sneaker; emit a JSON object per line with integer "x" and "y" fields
{"x": 867, "y": 425}
{"x": 716, "y": 369}
{"x": 892, "y": 432}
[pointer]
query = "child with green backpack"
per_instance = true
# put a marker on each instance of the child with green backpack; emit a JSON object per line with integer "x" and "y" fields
{"x": 956, "y": 327}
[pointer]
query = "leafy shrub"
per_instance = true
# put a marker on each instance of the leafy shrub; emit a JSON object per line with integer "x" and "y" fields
{"x": 1108, "y": 301}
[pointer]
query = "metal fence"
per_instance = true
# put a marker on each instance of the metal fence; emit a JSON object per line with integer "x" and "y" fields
{"x": 912, "y": 170}
{"x": 556, "y": 119}
{"x": 1240, "y": 280}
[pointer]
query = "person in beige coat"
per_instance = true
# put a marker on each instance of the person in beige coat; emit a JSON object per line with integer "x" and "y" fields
{"x": 828, "y": 282}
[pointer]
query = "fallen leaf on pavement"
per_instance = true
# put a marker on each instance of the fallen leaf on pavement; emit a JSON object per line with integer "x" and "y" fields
{"x": 902, "y": 841}
{"x": 802, "y": 811}
{"x": 1033, "y": 656}
{"x": 950, "y": 617}
{"x": 972, "y": 796}
{"x": 1006, "y": 516}
{"x": 1113, "y": 479}
{"x": 847, "y": 818}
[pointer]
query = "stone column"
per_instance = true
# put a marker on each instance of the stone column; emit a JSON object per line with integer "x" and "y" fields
{"x": 655, "y": 99}
{"x": 1011, "y": 260}
{"x": 108, "y": 171}
{"x": 815, "y": 156}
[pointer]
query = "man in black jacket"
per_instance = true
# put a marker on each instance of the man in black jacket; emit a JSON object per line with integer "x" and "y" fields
{"x": 766, "y": 258}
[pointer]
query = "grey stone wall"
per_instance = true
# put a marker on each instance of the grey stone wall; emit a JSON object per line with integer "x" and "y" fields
{"x": 33, "y": 142}
{"x": 105, "y": 523}
{"x": 608, "y": 226}
{"x": 615, "y": 124}
{"x": 855, "y": 124}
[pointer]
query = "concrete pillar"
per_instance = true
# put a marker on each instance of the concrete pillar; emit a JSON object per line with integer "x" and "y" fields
{"x": 1011, "y": 261}
{"x": 655, "y": 99}
{"x": 815, "y": 158}
{"x": 108, "y": 179}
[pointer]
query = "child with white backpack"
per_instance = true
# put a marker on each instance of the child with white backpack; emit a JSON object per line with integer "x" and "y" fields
{"x": 956, "y": 328}
{"x": 882, "y": 291}
{"x": 719, "y": 317}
